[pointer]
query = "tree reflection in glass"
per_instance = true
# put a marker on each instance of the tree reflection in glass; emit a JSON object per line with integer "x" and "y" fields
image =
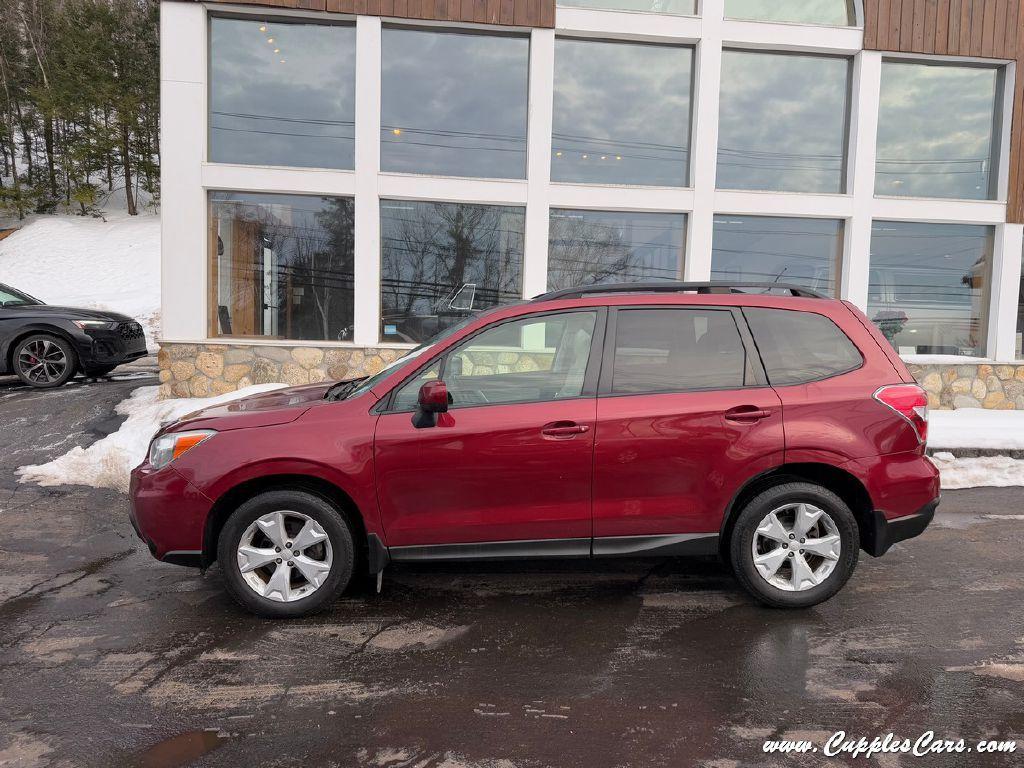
{"x": 440, "y": 262}
{"x": 282, "y": 265}
{"x": 590, "y": 247}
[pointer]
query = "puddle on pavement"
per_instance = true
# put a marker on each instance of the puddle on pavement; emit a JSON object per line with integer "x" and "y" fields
{"x": 181, "y": 749}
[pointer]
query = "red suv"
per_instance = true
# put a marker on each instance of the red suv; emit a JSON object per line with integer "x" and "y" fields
{"x": 779, "y": 431}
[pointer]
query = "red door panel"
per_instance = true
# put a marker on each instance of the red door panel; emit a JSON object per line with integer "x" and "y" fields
{"x": 494, "y": 473}
{"x": 670, "y": 463}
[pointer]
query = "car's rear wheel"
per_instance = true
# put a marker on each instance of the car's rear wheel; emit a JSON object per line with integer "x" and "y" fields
{"x": 794, "y": 545}
{"x": 286, "y": 554}
{"x": 44, "y": 360}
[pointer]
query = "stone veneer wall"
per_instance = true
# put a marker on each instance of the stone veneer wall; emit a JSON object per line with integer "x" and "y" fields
{"x": 202, "y": 370}
{"x": 974, "y": 385}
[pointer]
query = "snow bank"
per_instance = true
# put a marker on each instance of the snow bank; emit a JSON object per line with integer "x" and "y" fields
{"x": 83, "y": 262}
{"x": 976, "y": 428}
{"x": 108, "y": 462}
{"x": 998, "y": 471}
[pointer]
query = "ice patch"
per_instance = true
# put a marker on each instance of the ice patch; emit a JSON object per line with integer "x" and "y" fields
{"x": 999, "y": 471}
{"x": 108, "y": 462}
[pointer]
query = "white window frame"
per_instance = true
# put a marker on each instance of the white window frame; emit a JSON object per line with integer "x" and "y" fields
{"x": 187, "y": 176}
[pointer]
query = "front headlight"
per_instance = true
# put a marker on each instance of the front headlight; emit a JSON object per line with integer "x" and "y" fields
{"x": 95, "y": 325}
{"x": 167, "y": 448}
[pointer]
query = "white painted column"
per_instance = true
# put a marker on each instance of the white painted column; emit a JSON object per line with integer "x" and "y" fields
{"x": 704, "y": 143}
{"x": 860, "y": 168}
{"x": 1002, "y": 309}
{"x": 538, "y": 161}
{"x": 367, "y": 203}
{"x": 184, "y": 270}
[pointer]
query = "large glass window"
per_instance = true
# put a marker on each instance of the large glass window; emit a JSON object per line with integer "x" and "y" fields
{"x": 621, "y": 113}
{"x": 777, "y": 250}
{"x": 928, "y": 286}
{"x": 673, "y": 350}
{"x": 838, "y": 13}
{"x": 782, "y": 122}
{"x": 282, "y": 93}
{"x": 1019, "y": 347}
{"x": 440, "y": 262}
{"x": 677, "y": 7}
{"x": 281, "y": 266}
{"x": 588, "y": 247}
{"x": 937, "y": 131}
{"x": 454, "y": 104}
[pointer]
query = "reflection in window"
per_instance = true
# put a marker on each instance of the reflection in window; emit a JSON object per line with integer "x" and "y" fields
{"x": 777, "y": 250}
{"x": 936, "y": 131}
{"x": 453, "y": 104}
{"x": 440, "y": 262}
{"x": 266, "y": 109}
{"x": 282, "y": 265}
{"x": 672, "y": 350}
{"x": 782, "y": 122}
{"x": 839, "y": 13}
{"x": 676, "y": 7}
{"x": 621, "y": 113}
{"x": 928, "y": 286}
{"x": 1020, "y": 315}
{"x": 589, "y": 247}
{"x": 535, "y": 359}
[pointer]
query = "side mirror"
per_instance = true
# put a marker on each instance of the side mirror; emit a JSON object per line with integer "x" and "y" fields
{"x": 433, "y": 397}
{"x": 432, "y": 400}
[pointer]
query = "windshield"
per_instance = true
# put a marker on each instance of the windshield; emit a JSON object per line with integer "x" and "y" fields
{"x": 12, "y": 298}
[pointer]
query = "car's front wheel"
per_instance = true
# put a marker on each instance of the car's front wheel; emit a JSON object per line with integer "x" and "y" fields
{"x": 286, "y": 554}
{"x": 794, "y": 545}
{"x": 44, "y": 360}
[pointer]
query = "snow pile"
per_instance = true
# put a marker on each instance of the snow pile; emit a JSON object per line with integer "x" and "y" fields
{"x": 998, "y": 471}
{"x": 82, "y": 262}
{"x": 108, "y": 462}
{"x": 976, "y": 428}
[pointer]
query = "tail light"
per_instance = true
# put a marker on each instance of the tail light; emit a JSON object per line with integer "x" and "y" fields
{"x": 910, "y": 402}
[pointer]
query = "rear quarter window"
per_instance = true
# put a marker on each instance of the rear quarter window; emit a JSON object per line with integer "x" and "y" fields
{"x": 798, "y": 347}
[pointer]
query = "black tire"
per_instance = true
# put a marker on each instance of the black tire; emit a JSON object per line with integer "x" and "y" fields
{"x": 750, "y": 517}
{"x": 28, "y": 349}
{"x": 323, "y": 512}
{"x": 100, "y": 370}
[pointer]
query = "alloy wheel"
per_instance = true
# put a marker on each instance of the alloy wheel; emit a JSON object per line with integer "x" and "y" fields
{"x": 284, "y": 556}
{"x": 796, "y": 547}
{"x": 43, "y": 362}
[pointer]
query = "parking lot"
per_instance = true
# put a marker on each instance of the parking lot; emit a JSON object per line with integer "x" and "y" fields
{"x": 110, "y": 658}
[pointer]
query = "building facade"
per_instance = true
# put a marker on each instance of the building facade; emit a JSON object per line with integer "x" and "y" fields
{"x": 344, "y": 178}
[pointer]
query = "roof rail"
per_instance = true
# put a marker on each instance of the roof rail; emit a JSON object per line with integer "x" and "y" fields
{"x": 673, "y": 286}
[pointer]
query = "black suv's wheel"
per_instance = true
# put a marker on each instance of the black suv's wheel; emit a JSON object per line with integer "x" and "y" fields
{"x": 44, "y": 360}
{"x": 286, "y": 554}
{"x": 794, "y": 545}
{"x": 99, "y": 370}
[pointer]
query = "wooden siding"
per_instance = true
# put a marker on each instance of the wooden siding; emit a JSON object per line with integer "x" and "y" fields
{"x": 519, "y": 13}
{"x": 992, "y": 29}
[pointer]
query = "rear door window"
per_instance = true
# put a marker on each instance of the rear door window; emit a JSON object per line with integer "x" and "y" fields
{"x": 798, "y": 347}
{"x": 674, "y": 350}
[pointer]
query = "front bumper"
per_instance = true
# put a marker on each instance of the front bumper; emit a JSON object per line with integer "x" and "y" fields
{"x": 169, "y": 514}
{"x": 882, "y": 533}
{"x": 102, "y": 347}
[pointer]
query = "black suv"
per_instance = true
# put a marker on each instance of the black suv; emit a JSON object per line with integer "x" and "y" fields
{"x": 44, "y": 346}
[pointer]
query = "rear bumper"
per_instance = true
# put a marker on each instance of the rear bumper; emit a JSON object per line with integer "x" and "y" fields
{"x": 882, "y": 533}
{"x": 169, "y": 514}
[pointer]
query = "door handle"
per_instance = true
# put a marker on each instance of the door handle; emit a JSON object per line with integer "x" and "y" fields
{"x": 563, "y": 430}
{"x": 746, "y": 414}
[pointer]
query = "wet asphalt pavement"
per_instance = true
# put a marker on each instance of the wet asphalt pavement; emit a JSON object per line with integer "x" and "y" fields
{"x": 110, "y": 658}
